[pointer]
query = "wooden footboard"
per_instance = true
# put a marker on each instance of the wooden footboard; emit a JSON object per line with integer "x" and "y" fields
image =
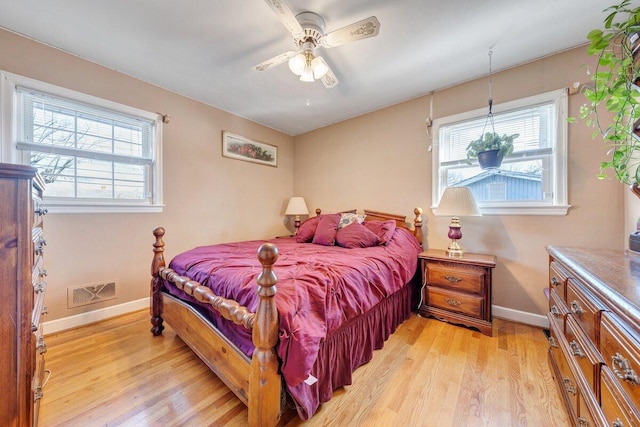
{"x": 256, "y": 382}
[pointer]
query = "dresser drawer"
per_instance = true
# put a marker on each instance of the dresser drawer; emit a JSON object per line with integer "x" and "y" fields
{"x": 558, "y": 278}
{"x": 467, "y": 304}
{"x": 617, "y": 409}
{"x": 584, "y": 353}
{"x": 621, "y": 353}
{"x": 557, "y": 310}
{"x": 567, "y": 380}
{"x": 589, "y": 412}
{"x": 459, "y": 277}
{"x": 582, "y": 306}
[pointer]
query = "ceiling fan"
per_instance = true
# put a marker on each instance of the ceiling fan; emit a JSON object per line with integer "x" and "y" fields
{"x": 307, "y": 29}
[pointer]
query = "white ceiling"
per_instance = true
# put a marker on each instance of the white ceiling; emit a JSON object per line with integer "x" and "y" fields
{"x": 205, "y": 49}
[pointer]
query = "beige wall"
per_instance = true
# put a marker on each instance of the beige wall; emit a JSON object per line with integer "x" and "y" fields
{"x": 380, "y": 161}
{"x": 208, "y": 198}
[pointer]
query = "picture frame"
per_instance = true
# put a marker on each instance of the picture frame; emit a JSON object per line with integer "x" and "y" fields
{"x": 241, "y": 148}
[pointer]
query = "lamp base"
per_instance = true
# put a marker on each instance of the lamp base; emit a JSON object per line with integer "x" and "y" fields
{"x": 454, "y": 250}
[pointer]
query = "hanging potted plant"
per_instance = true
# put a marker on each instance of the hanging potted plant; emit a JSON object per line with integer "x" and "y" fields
{"x": 490, "y": 149}
{"x": 615, "y": 89}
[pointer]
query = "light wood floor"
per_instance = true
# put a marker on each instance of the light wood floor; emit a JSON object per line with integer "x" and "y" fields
{"x": 430, "y": 373}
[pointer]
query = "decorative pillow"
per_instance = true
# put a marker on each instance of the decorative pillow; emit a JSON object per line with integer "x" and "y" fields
{"x": 350, "y": 218}
{"x": 356, "y": 235}
{"x": 326, "y": 230}
{"x": 383, "y": 229}
{"x": 307, "y": 229}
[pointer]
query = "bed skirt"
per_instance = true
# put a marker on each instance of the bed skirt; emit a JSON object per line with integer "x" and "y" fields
{"x": 351, "y": 346}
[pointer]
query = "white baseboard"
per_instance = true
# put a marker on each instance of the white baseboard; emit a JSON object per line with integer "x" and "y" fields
{"x": 82, "y": 319}
{"x": 520, "y": 316}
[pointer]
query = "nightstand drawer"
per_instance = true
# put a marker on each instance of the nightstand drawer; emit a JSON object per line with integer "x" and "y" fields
{"x": 463, "y": 278}
{"x": 467, "y": 304}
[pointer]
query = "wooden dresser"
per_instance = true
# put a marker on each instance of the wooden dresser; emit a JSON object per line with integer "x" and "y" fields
{"x": 22, "y": 290}
{"x": 594, "y": 343}
{"x": 457, "y": 289}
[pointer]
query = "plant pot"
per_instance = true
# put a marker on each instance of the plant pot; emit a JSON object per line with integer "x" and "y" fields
{"x": 489, "y": 159}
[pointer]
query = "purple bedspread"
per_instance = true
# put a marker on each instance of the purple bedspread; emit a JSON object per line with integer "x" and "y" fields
{"x": 319, "y": 289}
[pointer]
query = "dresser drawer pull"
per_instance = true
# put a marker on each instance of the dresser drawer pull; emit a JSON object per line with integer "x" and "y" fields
{"x": 39, "y": 287}
{"x": 582, "y": 421}
{"x": 41, "y": 211}
{"x": 622, "y": 369}
{"x": 575, "y": 308}
{"x": 45, "y": 310}
{"x": 568, "y": 385}
{"x": 453, "y": 279}
{"x": 42, "y": 272}
{"x": 554, "y": 310}
{"x": 40, "y": 246}
{"x": 555, "y": 281}
{"x": 575, "y": 349}
{"x": 552, "y": 342}
{"x": 617, "y": 423}
{"x": 452, "y": 302}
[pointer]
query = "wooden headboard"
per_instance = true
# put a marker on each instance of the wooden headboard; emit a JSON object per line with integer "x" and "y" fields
{"x": 401, "y": 221}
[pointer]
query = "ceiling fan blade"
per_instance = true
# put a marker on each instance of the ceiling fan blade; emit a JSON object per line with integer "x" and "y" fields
{"x": 366, "y": 28}
{"x": 276, "y": 60}
{"x": 287, "y": 17}
{"x": 329, "y": 80}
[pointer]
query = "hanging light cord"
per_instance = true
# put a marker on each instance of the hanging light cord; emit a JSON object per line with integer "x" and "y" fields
{"x": 490, "y": 115}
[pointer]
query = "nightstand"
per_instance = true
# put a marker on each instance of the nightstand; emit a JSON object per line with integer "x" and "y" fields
{"x": 457, "y": 289}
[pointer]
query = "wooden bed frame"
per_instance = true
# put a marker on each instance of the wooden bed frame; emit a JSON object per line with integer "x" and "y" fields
{"x": 256, "y": 381}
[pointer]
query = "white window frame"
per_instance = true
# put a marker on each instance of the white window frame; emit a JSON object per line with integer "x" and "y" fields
{"x": 556, "y": 205}
{"x": 9, "y": 152}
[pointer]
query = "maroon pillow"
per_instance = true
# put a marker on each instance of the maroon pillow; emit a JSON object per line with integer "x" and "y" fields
{"x": 383, "y": 229}
{"x": 326, "y": 230}
{"x": 356, "y": 235}
{"x": 307, "y": 229}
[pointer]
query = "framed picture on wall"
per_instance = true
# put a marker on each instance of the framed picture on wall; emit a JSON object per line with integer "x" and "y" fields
{"x": 241, "y": 148}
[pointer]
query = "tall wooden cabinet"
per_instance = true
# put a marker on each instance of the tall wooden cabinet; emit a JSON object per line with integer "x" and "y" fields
{"x": 594, "y": 343}
{"x": 22, "y": 290}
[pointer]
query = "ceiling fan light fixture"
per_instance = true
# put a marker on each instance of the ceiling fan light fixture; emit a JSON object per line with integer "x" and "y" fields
{"x": 297, "y": 64}
{"x": 307, "y": 74}
{"x": 319, "y": 67}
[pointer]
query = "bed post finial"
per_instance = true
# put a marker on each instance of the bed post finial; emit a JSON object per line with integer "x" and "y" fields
{"x": 264, "y": 380}
{"x": 417, "y": 223}
{"x": 318, "y": 211}
{"x": 156, "y": 265}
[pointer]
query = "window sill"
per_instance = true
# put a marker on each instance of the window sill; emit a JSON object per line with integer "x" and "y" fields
{"x": 538, "y": 210}
{"x": 56, "y": 207}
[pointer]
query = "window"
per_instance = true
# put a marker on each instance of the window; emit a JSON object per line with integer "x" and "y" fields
{"x": 94, "y": 155}
{"x": 532, "y": 181}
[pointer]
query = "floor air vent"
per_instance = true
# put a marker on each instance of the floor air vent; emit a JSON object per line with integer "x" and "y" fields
{"x": 92, "y": 293}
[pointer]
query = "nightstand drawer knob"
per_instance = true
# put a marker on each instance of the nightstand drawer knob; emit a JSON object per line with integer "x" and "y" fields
{"x": 453, "y": 279}
{"x": 555, "y": 311}
{"x": 555, "y": 281}
{"x": 452, "y": 302}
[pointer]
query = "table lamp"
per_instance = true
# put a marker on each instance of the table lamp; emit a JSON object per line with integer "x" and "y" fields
{"x": 297, "y": 207}
{"x": 457, "y": 202}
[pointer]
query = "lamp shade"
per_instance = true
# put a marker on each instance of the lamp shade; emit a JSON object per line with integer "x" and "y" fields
{"x": 297, "y": 206}
{"x": 458, "y": 201}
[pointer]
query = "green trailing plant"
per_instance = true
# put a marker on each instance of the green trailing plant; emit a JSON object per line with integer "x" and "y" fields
{"x": 615, "y": 88}
{"x": 491, "y": 141}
